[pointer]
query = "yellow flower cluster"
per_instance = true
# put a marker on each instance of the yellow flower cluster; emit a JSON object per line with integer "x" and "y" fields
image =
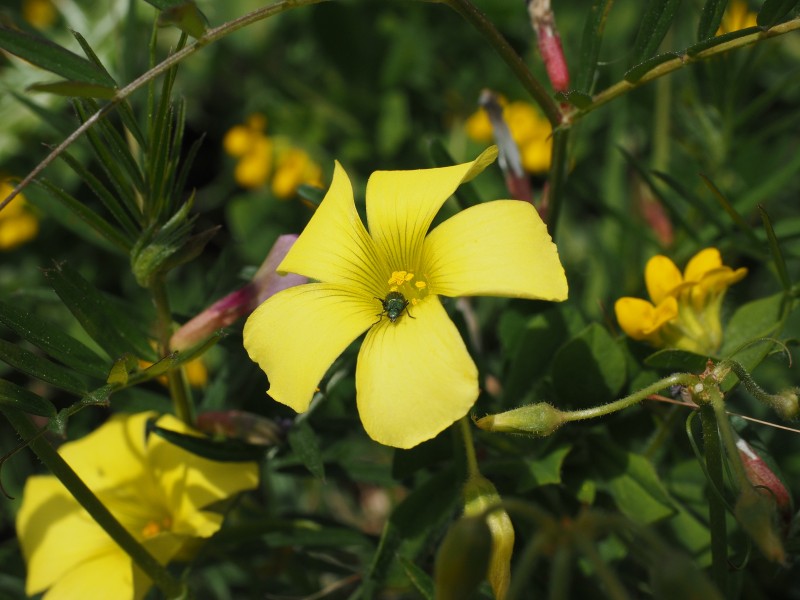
{"x": 261, "y": 157}
{"x": 17, "y": 224}
{"x": 161, "y": 493}
{"x": 684, "y": 312}
{"x": 530, "y": 130}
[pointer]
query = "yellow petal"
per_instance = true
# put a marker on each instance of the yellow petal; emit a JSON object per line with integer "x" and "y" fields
{"x": 335, "y": 247}
{"x": 296, "y": 335}
{"x": 499, "y": 248}
{"x": 191, "y": 482}
{"x": 402, "y": 204}
{"x": 49, "y": 517}
{"x": 414, "y": 377}
{"x": 701, "y": 263}
{"x": 639, "y": 319}
{"x": 661, "y": 277}
{"x": 109, "y": 575}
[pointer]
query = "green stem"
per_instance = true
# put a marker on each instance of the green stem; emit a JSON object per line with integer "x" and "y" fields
{"x": 684, "y": 379}
{"x": 98, "y": 511}
{"x": 177, "y": 387}
{"x": 479, "y": 21}
{"x": 210, "y": 36}
{"x": 469, "y": 448}
{"x": 716, "y": 505}
{"x": 557, "y": 178}
{"x": 728, "y": 438}
{"x": 623, "y": 87}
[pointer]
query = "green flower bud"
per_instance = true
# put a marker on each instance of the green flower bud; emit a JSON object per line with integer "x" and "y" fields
{"x": 480, "y": 494}
{"x": 756, "y": 513}
{"x": 462, "y": 559}
{"x": 786, "y": 403}
{"x": 540, "y": 420}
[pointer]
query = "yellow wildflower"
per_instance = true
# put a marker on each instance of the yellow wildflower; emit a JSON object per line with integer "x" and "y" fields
{"x": 294, "y": 168}
{"x": 158, "y": 491}
{"x": 414, "y": 376}
{"x": 529, "y": 129}
{"x": 17, "y": 223}
{"x": 684, "y": 312}
{"x": 253, "y": 148}
{"x": 737, "y": 16}
{"x": 39, "y": 13}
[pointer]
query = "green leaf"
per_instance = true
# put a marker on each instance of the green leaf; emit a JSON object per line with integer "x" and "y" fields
{"x": 114, "y": 329}
{"x": 775, "y": 249}
{"x": 699, "y": 47}
{"x": 41, "y": 368}
{"x": 655, "y": 24}
{"x": 530, "y": 473}
{"x": 752, "y": 321}
{"x": 75, "y": 89}
{"x": 184, "y": 15}
{"x": 305, "y": 532}
{"x": 421, "y": 581}
{"x": 305, "y": 444}
{"x": 87, "y": 215}
{"x": 589, "y": 369}
{"x": 590, "y": 44}
{"x": 732, "y": 213}
{"x": 13, "y": 396}
{"x": 635, "y": 73}
{"x": 53, "y": 341}
{"x": 632, "y": 481}
{"x": 772, "y": 11}
{"x": 577, "y": 98}
{"x": 52, "y": 57}
{"x": 674, "y": 360}
{"x": 710, "y": 18}
{"x": 227, "y": 451}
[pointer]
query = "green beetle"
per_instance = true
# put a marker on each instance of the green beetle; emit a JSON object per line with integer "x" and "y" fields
{"x": 393, "y": 306}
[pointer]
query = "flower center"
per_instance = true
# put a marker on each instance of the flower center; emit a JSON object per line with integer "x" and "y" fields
{"x": 154, "y": 527}
{"x": 413, "y": 287}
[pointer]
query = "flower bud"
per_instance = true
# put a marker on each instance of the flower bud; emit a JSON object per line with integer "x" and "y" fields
{"x": 764, "y": 478}
{"x": 462, "y": 559}
{"x": 786, "y": 404}
{"x": 539, "y": 419}
{"x": 479, "y": 495}
{"x": 755, "y": 512}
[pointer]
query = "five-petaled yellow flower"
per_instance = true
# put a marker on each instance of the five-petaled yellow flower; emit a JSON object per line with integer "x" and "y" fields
{"x": 158, "y": 491}
{"x": 684, "y": 312}
{"x": 414, "y": 376}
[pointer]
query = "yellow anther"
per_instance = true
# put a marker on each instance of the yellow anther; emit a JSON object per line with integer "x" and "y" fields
{"x": 400, "y": 277}
{"x": 153, "y": 528}
{"x": 420, "y": 285}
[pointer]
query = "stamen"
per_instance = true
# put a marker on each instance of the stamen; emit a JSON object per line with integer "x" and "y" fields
{"x": 400, "y": 277}
{"x": 420, "y": 285}
{"x": 153, "y": 528}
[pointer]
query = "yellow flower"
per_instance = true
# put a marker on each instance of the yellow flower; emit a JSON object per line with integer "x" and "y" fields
{"x": 684, "y": 312}
{"x": 414, "y": 376}
{"x": 253, "y": 148}
{"x": 737, "y": 16}
{"x": 39, "y": 13}
{"x": 529, "y": 129}
{"x": 17, "y": 224}
{"x": 294, "y": 168}
{"x": 158, "y": 491}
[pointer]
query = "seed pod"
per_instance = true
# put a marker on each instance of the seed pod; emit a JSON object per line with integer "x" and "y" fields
{"x": 462, "y": 559}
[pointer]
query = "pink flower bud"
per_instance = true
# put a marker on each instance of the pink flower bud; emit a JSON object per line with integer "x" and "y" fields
{"x": 544, "y": 24}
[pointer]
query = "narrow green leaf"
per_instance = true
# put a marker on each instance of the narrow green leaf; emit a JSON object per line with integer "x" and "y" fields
{"x": 732, "y": 213}
{"x": 421, "y": 581}
{"x": 88, "y": 216}
{"x": 635, "y": 73}
{"x": 677, "y": 361}
{"x": 692, "y": 200}
{"x": 90, "y": 54}
{"x": 41, "y": 368}
{"x": 711, "y": 42}
{"x": 710, "y": 18}
{"x": 772, "y": 11}
{"x": 75, "y": 89}
{"x": 13, "y": 396}
{"x": 227, "y": 451}
{"x": 114, "y": 329}
{"x": 53, "y": 341}
{"x": 775, "y": 248}
{"x": 188, "y": 160}
{"x": 304, "y": 442}
{"x": 312, "y": 195}
{"x": 52, "y": 57}
{"x": 590, "y": 44}
{"x": 655, "y": 24}
{"x": 577, "y": 98}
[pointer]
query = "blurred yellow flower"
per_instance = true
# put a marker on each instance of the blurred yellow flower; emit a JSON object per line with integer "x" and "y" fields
{"x": 17, "y": 223}
{"x": 684, "y": 312}
{"x": 158, "y": 491}
{"x": 261, "y": 157}
{"x": 737, "y": 16}
{"x": 414, "y": 375}
{"x": 529, "y": 129}
{"x": 39, "y": 13}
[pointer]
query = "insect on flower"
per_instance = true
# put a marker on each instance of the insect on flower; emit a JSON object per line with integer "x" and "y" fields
{"x": 393, "y": 306}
